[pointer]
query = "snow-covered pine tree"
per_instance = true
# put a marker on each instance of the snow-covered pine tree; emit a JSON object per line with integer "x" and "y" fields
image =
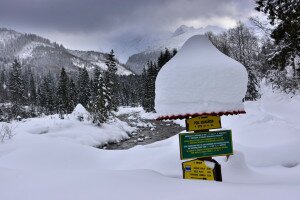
{"x": 111, "y": 82}
{"x": 101, "y": 109}
{"x": 47, "y": 96}
{"x": 72, "y": 95}
{"x": 164, "y": 57}
{"x": 83, "y": 87}
{"x": 16, "y": 85}
{"x": 150, "y": 87}
{"x": 16, "y": 89}
{"x": 93, "y": 85}
{"x": 285, "y": 17}
{"x": 160, "y": 60}
{"x": 92, "y": 92}
{"x": 63, "y": 93}
{"x": 3, "y": 86}
{"x": 252, "y": 93}
{"x": 144, "y": 87}
{"x": 32, "y": 94}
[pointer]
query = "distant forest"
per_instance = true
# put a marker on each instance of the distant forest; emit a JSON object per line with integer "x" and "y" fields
{"x": 273, "y": 58}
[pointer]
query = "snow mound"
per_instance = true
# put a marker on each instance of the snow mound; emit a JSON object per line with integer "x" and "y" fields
{"x": 80, "y": 110}
{"x": 199, "y": 80}
{"x": 80, "y": 113}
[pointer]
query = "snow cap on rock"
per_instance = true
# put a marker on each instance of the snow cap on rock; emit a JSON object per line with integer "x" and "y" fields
{"x": 200, "y": 80}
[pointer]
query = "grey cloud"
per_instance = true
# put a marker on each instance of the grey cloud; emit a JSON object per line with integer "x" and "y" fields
{"x": 100, "y": 24}
{"x": 110, "y": 15}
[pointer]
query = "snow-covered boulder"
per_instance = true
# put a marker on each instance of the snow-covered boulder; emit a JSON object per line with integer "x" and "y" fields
{"x": 200, "y": 80}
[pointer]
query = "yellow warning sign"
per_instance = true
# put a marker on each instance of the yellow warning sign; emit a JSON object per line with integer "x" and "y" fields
{"x": 203, "y": 123}
{"x": 198, "y": 169}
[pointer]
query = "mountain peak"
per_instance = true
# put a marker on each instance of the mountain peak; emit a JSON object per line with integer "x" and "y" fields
{"x": 183, "y": 29}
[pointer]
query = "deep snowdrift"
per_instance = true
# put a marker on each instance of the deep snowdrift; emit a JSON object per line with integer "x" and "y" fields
{"x": 200, "y": 79}
{"x": 56, "y": 166}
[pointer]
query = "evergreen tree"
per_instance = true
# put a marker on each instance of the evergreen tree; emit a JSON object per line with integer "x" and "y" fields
{"x": 285, "y": 15}
{"x": 150, "y": 87}
{"x": 174, "y": 52}
{"x": 111, "y": 82}
{"x": 32, "y": 94}
{"x": 84, "y": 92}
{"x": 252, "y": 87}
{"x": 160, "y": 60}
{"x": 16, "y": 87}
{"x": 100, "y": 106}
{"x": 144, "y": 87}
{"x": 46, "y": 96}
{"x": 96, "y": 79}
{"x": 63, "y": 94}
{"x": 26, "y": 84}
{"x": 165, "y": 57}
{"x": 93, "y": 85}
{"x": 3, "y": 86}
{"x": 72, "y": 95}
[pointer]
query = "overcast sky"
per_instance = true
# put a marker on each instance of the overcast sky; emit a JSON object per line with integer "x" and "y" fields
{"x": 93, "y": 24}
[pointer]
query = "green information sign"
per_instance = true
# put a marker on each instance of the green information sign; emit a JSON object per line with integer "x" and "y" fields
{"x": 205, "y": 144}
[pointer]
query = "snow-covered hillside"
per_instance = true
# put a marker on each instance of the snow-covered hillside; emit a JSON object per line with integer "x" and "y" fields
{"x": 46, "y": 56}
{"x": 174, "y": 40}
{"x": 6, "y": 36}
{"x": 96, "y": 59}
{"x": 56, "y": 164}
{"x": 26, "y": 51}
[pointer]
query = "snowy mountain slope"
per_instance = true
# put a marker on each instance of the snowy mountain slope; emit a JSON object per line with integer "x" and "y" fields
{"x": 44, "y": 56}
{"x": 59, "y": 163}
{"x": 27, "y": 50}
{"x": 96, "y": 59}
{"x": 6, "y": 36}
{"x": 138, "y": 61}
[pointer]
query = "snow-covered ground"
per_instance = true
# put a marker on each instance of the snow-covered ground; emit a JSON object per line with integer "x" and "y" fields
{"x": 49, "y": 158}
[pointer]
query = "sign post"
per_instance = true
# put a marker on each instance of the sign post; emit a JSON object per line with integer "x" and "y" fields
{"x": 201, "y": 143}
{"x": 205, "y": 144}
{"x": 202, "y": 169}
{"x": 203, "y": 123}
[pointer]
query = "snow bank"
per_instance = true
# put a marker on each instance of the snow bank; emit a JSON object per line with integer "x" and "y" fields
{"x": 268, "y": 134}
{"x": 43, "y": 168}
{"x": 200, "y": 79}
{"x": 45, "y": 165}
{"x": 138, "y": 110}
{"x": 74, "y": 130}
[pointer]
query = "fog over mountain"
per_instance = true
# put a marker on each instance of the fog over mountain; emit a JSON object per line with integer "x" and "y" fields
{"x": 151, "y": 52}
{"x": 128, "y": 26}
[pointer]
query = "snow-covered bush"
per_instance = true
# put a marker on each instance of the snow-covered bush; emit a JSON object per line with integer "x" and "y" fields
{"x": 6, "y": 132}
